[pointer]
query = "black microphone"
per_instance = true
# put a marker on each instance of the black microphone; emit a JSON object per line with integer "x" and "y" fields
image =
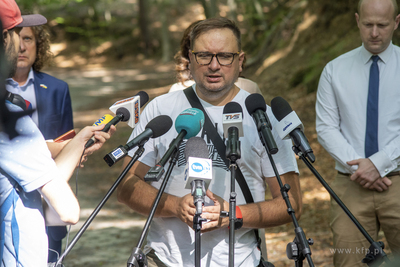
{"x": 155, "y": 128}
{"x": 256, "y": 107}
{"x": 290, "y": 125}
{"x": 187, "y": 124}
{"x": 232, "y": 122}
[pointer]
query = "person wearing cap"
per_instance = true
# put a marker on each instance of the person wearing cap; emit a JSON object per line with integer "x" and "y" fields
{"x": 48, "y": 96}
{"x": 28, "y": 173}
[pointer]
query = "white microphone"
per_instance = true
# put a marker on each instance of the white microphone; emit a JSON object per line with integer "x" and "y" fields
{"x": 290, "y": 126}
{"x": 198, "y": 170}
{"x": 198, "y": 164}
{"x": 287, "y": 124}
{"x": 129, "y": 109}
{"x": 232, "y": 122}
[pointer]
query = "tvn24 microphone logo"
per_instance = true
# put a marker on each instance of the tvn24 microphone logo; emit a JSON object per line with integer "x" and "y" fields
{"x": 200, "y": 166}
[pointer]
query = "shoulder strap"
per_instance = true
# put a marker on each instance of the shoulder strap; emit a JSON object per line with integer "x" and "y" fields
{"x": 221, "y": 148}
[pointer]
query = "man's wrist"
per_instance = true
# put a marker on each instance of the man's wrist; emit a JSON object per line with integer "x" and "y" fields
{"x": 239, "y": 218}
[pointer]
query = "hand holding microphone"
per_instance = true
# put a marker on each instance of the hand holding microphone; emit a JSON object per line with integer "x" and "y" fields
{"x": 127, "y": 110}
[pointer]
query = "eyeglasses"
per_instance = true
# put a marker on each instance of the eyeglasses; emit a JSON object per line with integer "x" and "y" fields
{"x": 205, "y": 58}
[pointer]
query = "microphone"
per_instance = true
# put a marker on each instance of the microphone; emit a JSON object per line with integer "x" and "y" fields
{"x": 198, "y": 170}
{"x": 155, "y": 128}
{"x": 256, "y": 107}
{"x": 125, "y": 110}
{"x": 108, "y": 120}
{"x": 187, "y": 124}
{"x": 289, "y": 124}
{"x": 129, "y": 109}
{"x": 232, "y": 122}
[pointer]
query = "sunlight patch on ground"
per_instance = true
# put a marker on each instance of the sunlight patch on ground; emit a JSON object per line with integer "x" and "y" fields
{"x": 104, "y": 90}
{"x": 63, "y": 62}
{"x": 316, "y": 193}
{"x": 97, "y": 224}
{"x": 101, "y": 48}
{"x": 57, "y": 48}
{"x": 102, "y": 220}
{"x": 87, "y": 118}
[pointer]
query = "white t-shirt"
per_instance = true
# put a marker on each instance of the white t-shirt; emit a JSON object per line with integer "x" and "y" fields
{"x": 25, "y": 160}
{"x": 243, "y": 83}
{"x": 172, "y": 240}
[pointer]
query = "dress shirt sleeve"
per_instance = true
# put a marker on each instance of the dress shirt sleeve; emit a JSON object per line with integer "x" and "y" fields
{"x": 388, "y": 158}
{"x": 328, "y": 123}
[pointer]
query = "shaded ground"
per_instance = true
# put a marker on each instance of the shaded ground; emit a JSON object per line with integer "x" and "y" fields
{"x": 115, "y": 231}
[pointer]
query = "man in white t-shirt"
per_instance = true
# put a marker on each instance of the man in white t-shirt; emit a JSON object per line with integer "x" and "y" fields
{"x": 170, "y": 241}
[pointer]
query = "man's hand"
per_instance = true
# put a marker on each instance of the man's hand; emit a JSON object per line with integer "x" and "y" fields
{"x": 381, "y": 184}
{"x": 366, "y": 173}
{"x": 212, "y": 213}
{"x": 186, "y": 210}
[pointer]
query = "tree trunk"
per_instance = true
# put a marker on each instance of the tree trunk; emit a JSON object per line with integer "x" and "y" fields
{"x": 144, "y": 25}
{"x": 165, "y": 41}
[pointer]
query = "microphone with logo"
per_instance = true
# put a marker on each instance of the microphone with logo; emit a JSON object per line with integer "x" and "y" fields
{"x": 198, "y": 171}
{"x": 108, "y": 120}
{"x": 256, "y": 107}
{"x": 127, "y": 110}
{"x": 289, "y": 125}
{"x": 155, "y": 128}
{"x": 232, "y": 122}
{"x": 187, "y": 124}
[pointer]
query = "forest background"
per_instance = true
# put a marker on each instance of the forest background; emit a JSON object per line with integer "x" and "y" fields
{"x": 108, "y": 50}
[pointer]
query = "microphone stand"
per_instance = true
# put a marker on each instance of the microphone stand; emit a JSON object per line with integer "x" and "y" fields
{"x": 198, "y": 199}
{"x": 138, "y": 258}
{"x": 299, "y": 249}
{"x": 135, "y": 157}
{"x": 232, "y": 153}
{"x": 375, "y": 255}
{"x": 232, "y": 214}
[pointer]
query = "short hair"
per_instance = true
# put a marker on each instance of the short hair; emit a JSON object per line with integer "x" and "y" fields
{"x": 182, "y": 56}
{"x": 43, "y": 54}
{"x": 394, "y": 2}
{"x": 215, "y": 23}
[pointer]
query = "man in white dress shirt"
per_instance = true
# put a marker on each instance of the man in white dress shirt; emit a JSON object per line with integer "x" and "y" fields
{"x": 368, "y": 179}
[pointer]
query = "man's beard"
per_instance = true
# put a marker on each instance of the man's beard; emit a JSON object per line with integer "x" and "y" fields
{"x": 12, "y": 59}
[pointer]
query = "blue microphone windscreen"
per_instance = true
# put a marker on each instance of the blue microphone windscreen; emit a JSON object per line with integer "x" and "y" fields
{"x": 191, "y": 120}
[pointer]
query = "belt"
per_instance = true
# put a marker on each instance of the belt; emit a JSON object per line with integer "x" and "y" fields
{"x": 387, "y": 175}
